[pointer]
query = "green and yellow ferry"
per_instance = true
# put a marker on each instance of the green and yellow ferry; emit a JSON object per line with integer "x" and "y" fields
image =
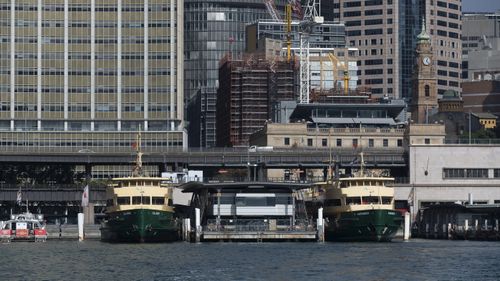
{"x": 139, "y": 208}
{"x": 359, "y": 208}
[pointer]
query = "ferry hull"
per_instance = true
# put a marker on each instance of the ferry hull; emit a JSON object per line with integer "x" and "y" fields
{"x": 139, "y": 226}
{"x": 367, "y": 225}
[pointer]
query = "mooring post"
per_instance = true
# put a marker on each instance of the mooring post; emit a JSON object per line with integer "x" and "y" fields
{"x": 81, "y": 233}
{"x": 449, "y": 231}
{"x": 406, "y": 234}
{"x": 198, "y": 225}
{"x": 320, "y": 226}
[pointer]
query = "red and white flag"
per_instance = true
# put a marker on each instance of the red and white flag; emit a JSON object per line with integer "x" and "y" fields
{"x": 85, "y": 196}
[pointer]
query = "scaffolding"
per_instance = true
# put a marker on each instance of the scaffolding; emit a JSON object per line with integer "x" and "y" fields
{"x": 248, "y": 88}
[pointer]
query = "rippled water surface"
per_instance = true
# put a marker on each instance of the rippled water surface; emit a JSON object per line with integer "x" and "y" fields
{"x": 93, "y": 260}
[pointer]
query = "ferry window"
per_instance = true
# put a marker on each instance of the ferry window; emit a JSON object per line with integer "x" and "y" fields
{"x": 353, "y": 200}
{"x": 170, "y": 202}
{"x": 109, "y": 202}
{"x": 386, "y": 200}
{"x": 370, "y": 199}
{"x": 284, "y": 200}
{"x": 123, "y": 200}
{"x": 332, "y": 202}
{"x": 158, "y": 200}
{"x": 224, "y": 200}
{"x": 146, "y": 200}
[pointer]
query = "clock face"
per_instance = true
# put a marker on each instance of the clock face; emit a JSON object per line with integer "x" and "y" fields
{"x": 426, "y": 60}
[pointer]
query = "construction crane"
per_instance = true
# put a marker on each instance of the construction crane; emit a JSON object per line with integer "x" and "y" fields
{"x": 336, "y": 62}
{"x": 310, "y": 19}
{"x": 271, "y": 9}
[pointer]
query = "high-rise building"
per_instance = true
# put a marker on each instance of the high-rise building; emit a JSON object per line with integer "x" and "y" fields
{"x": 88, "y": 74}
{"x": 481, "y": 40}
{"x": 213, "y": 29}
{"x": 384, "y": 31}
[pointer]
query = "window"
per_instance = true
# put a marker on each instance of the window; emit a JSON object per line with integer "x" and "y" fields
{"x": 287, "y": 141}
{"x": 353, "y": 200}
{"x": 400, "y": 142}
{"x": 427, "y": 141}
{"x": 385, "y": 142}
{"x": 332, "y": 202}
{"x": 354, "y": 143}
{"x": 309, "y": 142}
{"x": 370, "y": 143}
{"x": 477, "y": 173}
{"x": 460, "y": 173}
{"x": 427, "y": 91}
{"x": 324, "y": 142}
{"x": 339, "y": 142}
{"x": 123, "y": 200}
{"x": 496, "y": 173}
{"x": 158, "y": 200}
{"x": 386, "y": 200}
{"x": 136, "y": 200}
{"x": 370, "y": 200}
{"x": 146, "y": 200}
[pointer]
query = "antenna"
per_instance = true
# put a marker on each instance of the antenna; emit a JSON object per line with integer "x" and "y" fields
{"x": 137, "y": 170}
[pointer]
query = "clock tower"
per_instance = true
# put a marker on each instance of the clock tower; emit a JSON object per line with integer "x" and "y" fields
{"x": 424, "y": 79}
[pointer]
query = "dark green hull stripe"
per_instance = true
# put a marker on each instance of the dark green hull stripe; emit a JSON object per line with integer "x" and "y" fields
{"x": 140, "y": 225}
{"x": 371, "y": 225}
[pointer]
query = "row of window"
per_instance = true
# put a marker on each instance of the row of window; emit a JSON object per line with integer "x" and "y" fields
{"x": 139, "y": 200}
{"x": 88, "y": 73}
{"x": 364, "y": 200}
{"x": 469, "y": 173}
{"x": 252, "y": 201}
{"x": 338, "y": 142}
{"x": 87, "y": 8}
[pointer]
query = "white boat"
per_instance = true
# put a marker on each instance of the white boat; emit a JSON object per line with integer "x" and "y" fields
{"x": 24, "y": 227}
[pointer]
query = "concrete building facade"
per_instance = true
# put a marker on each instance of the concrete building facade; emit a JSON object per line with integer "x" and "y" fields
{"x": 449, "y": 173}
{"x": 89, "y": 74}
{"x": 480, "y": 40}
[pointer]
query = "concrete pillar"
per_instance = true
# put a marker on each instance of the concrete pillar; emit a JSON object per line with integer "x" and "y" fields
{"x": 198, "y": 224}
{"x": 476, "y": 225}
{"x": 89, "y": 213}
{"x": 406, "y": 234}
{"x": 320, "y": 224}
{"x": 485, "y": 224}
{"x": 449, "y": 231}
{"x": 466, "y": 227}
{"x": 81, "y": 233}
{"x": 471, "y": 199}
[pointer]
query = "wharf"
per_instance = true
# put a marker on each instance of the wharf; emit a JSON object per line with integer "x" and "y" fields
{"x": 70, "y": 231}
{"x": 259, "y": 236}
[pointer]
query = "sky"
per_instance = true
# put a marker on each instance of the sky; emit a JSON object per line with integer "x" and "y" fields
{"x": 480, "y": 5}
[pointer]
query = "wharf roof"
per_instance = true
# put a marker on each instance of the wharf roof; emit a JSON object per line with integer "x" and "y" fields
{"x": 365, "y": 121}
{"x": 250, "y": 186}
{"x": 303, "y": 111}
{"x": 485, "y": 115}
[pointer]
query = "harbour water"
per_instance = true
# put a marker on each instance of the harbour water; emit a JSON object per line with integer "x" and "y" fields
{"x": 94, "y": 260}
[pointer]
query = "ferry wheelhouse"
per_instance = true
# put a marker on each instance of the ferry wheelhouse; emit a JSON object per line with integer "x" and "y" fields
{"x": 24, "y": 227}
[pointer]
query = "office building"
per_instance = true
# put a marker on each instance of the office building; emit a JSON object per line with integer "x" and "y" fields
{"x": 384, "y": 31}
{"x": 90, "y": 74}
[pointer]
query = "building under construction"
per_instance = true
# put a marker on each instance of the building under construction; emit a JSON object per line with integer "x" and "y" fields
{"x": 248, "y": 88}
